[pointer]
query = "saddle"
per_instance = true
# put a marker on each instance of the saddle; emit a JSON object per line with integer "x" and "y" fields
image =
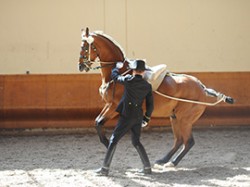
{"x": 156, "y": 75}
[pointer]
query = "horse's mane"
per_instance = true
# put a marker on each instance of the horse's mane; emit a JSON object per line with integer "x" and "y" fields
{"x": 112, "y": 40}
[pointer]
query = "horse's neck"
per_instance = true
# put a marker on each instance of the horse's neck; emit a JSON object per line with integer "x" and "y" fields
{"x": 110, "y": 53}
{"x": 106, "y": 69}
{"x": 106, "y": 75}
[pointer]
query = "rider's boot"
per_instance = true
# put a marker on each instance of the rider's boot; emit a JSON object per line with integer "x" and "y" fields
{"x": 104, "y": 170}
{"x": 144, "y": 158}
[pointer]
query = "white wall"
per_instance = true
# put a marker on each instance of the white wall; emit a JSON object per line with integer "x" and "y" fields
{"x": 43, "y": 36}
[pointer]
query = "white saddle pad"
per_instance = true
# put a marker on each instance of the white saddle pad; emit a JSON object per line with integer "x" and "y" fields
{"x": 156, "y": 76}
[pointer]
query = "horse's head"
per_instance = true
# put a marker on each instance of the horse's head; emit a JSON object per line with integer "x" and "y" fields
{"x": 98, "y": 48}
{"x": 87, "y": 54}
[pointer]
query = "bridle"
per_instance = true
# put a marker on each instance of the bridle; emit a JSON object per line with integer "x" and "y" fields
{"x": 87, "y": 62}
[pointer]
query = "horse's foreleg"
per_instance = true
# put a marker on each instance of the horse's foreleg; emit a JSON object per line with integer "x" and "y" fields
{"x": 99, "y": 122}
{"x": 102, "y": 136}
{"x": 106, "y": 114}
{"x": 99, "y": 118}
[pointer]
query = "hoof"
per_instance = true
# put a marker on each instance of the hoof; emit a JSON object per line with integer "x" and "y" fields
{"x": 102, "y": 172}
{"x": 145, "y": 171}
{"x": 229, "y": 100}
{"x": 168, "y": 164}
{"x": 158, "y": 166}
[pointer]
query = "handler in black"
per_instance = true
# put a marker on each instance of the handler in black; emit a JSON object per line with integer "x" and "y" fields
{"x": 131, "y": 114}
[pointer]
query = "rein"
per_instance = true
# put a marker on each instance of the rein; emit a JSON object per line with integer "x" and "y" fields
{"x": 104, "y": 66}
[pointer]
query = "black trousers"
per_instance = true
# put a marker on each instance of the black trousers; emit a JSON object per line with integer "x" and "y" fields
{"x": 123, "y": 126}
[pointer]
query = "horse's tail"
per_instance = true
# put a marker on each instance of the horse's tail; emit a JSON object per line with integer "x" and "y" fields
{"x": 212, "y": 93}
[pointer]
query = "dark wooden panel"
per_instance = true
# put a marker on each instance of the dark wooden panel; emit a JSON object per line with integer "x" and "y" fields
{"x": 43, "y": 101}
{"x": 1, "y": 96}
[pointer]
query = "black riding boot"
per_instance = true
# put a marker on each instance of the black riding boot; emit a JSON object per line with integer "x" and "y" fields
{"x": 144, "y": 158}
{"x": 104, "y": 170}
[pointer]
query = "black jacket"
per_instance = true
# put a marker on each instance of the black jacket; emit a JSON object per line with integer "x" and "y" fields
{"x": 136, "y": 89}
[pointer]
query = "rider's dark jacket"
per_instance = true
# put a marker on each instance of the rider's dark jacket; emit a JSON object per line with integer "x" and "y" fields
{"x": 136, "y": 89}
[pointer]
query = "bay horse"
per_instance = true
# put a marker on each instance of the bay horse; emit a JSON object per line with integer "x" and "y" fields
{"x": 182, "y": 98}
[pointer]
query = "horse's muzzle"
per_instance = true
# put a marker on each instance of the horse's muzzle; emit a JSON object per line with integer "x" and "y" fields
{"x": 80, "y": 67}
{"x": 83, "y": 67}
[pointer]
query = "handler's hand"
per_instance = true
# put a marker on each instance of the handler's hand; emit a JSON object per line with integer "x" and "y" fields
{"x": 119, "y": 65}
{"x": 144, "y": 123}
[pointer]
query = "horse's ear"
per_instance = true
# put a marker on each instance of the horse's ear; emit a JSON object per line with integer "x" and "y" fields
{"x": 87, "y": 32}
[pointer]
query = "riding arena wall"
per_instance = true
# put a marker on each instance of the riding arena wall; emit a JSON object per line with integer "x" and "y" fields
{"x": 41, "y": 86}
{"x": 72, "y": 101}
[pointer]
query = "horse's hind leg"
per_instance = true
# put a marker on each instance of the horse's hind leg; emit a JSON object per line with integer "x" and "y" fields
{"x": 182, "y": 123}
{"x": 186, "y": 117}
{"x": 183, "y": 135}
{"x": 177, "y": 143}
{"x": 186, "y": 147}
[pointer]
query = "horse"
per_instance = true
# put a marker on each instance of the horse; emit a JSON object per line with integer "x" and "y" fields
{"x": 182, "y": 98}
